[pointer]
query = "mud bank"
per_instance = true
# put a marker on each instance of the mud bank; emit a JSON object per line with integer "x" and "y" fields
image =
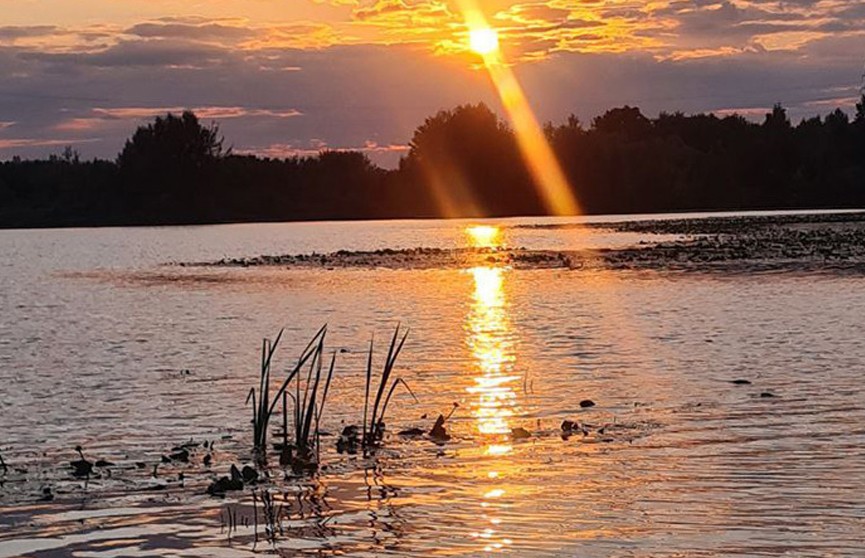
{"x": 807, "y": 243}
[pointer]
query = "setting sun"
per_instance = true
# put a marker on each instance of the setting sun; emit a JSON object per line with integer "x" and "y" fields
{"x": 484, "y": 40}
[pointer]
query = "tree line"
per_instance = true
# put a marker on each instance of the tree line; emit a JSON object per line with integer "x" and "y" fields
{"x": 463, "y": 162}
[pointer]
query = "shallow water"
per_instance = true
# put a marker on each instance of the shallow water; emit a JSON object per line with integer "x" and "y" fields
{"x": 95, "y": 333}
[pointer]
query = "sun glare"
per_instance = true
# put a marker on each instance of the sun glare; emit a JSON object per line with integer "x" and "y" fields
{"x": 551, "y": 181}
{"x": 484, "y": 40}
{"x": 484, "y": 236}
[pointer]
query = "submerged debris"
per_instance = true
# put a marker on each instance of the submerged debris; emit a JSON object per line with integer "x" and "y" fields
{"x": 438, "y": 432}
{"x": 223, "y": 485}
{"x": 520, "y": 433}
{"x": 181, "y": 456}
{"x": 233, "y": 482}
{"x": 569, "y": 428}
{"x": 411, "y": 432}
{"x": 47, "y": 494}
{"x": 250, "y": 475}
{"x": 81, "y": 468}
{"x": 349, "y": 440}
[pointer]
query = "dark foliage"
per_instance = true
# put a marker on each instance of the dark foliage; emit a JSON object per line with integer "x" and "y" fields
{"x": 469, "y": 164}
{"x": 462, "y": 162}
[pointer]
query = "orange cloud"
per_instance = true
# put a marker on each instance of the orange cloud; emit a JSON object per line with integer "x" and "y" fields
{"x": 530, "y": 29}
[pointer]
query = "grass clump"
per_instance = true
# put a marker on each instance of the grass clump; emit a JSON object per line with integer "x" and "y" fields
{"x": 263, "y": 405}
{"x": 312, "y": 377}
{"x": 373, "y": 424}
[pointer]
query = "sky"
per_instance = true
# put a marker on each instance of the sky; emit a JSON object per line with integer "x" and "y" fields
{"x": 292, "y": 77}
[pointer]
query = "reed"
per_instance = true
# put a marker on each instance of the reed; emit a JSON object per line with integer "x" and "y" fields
{"x": 263, "y": 405}
{"x": 308, "y": 409}
{"x": 312, "y": 381}
{"x": 373, "y": 424}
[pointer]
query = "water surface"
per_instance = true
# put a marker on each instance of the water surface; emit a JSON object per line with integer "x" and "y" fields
{"x": 96, "y": 332}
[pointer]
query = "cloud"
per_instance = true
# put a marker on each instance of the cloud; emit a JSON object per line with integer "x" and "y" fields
{"x": 205, "y": 31}
{"x": 9, "y": 33}
{"x": 56, "y": 96}
{"x": 202, "y": 112}
{"x": 153, "y": 52}
{"x": 531, "y": 30}
{"x": 100, "y": 118}
{"x": 31, "y": 142}
{"x": 368, "y": 79}
{"x": 401, "y": 12}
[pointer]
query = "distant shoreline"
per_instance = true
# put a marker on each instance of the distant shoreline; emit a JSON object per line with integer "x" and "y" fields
{"x": 463, "y": 162}
{"x": 673, "y": 214}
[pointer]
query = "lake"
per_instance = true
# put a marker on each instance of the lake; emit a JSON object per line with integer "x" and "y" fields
{"x": 106, "y": 344}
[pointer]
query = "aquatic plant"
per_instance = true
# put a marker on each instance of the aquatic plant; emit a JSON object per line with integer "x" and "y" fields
{"x": 309, "y": 409}
{"x": 273, "y": 515}
{"x": 373, "y": 425}
{"x": 263, "y": 405}
{"x": 81, "y": 468}
{"x": 310, "y": 396}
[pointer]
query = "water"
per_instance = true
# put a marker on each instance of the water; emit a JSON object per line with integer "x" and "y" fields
{"x": 96, "y": 330}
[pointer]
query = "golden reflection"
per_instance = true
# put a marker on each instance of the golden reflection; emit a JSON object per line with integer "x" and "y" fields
{"x": 490, "y": 338}
{"x": 484, "y": 236}
{"x": 491, "y": 344}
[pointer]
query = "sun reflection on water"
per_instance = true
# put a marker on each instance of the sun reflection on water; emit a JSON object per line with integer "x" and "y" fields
{"x": 484, "y": 236}
{"x": 491, "y": 340}
{"x": 492, "y": 346}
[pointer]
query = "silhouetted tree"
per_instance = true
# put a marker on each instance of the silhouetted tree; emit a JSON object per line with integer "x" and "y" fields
{"x": 461, "y": 162}
{"x": 626, "y": 122}
{"x": 171, "y": 144}
{"x": 467, "y": 158}
{"x": 777, "y": 119}
{"x": 165, "y": 166}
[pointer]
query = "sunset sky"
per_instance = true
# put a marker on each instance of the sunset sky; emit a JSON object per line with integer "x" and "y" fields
{"x": 289, "y": 77}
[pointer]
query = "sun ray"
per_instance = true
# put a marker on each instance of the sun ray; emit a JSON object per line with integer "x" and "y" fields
{"x": 556, "y": 193}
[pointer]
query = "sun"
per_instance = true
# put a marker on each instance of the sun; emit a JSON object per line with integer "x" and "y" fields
{"x": 483, "y": 40}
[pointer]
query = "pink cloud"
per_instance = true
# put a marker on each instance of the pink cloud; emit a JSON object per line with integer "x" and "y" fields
{"x": 203, "y": 112}
{"x": 835, "y": 102}
{"x": 29, "y": 142}
{"x": 80, "y": 125}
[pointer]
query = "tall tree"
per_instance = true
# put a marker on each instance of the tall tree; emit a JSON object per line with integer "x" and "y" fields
{"x": 171, "y": 145}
